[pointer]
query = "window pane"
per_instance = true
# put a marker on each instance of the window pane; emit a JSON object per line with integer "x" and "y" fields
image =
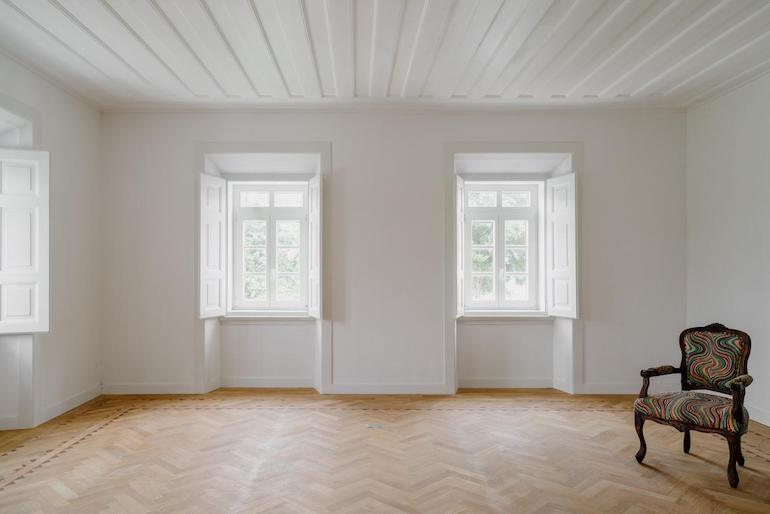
{"x": 287, "y": 199}
{"x": 516, "y": 199}
{"x": 287, "y": 287}
{"x": 483, "y": 287}
{"x": 516, "y": 287}
{"x": 516, "y": 259}
{"x": 482, "y": 259}
{"x": 254, "y": 260}
{"x": 255, "y": 199}
{"x": 482, "y": 198}
{"x": 515, "y": 232}
{"x": 287, "y": 260}
{"x": 254, "y": 233}
{"x": 287, "y": 233}
{"x": 255, "y": 287}
{"x": 483, "y": 232}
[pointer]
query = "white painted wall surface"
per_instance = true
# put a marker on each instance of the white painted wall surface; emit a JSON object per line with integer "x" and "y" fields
{"x": 268, "y": 354}
{"x": 68, "y": 358}
{"x": 10, "y": 380}
{"x": 728, "y": 250}
{"x": 514, "y": 353}
{"x": 384, "y": 221}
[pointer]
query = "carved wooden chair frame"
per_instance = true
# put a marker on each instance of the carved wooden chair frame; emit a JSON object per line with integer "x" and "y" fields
{"x": 736, "y": 387}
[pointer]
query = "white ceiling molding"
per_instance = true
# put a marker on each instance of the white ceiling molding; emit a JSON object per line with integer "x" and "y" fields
{"x": 127, "y": 54}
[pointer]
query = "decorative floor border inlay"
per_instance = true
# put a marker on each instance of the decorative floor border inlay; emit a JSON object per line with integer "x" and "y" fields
{"x": 35, "y": 463}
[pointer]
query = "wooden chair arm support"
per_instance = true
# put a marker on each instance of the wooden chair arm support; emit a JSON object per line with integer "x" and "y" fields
{"x": 738, "y": 386}
{"x": 655, "y": 372}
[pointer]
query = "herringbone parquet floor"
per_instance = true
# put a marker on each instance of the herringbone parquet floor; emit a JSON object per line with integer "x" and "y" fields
{"x": 284, "y": 451}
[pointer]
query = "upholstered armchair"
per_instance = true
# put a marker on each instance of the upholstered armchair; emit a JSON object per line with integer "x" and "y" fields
{"x": 714, "y": 358}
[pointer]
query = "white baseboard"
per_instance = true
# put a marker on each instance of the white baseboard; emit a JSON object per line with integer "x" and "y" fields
{"x": 149, "y": 388}
{"x": 70, "y": 403}
{"x": 565, "y": 387}
{"x": 504, "y": 382}
{"x": 265, "y": 382}
{"x": 363, "y": 388}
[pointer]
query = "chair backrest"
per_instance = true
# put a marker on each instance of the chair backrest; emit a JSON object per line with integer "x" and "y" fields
{"x": 712, "y": 356}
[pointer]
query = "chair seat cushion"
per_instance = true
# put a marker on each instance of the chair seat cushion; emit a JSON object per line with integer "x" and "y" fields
{"x": 706, "y": 410}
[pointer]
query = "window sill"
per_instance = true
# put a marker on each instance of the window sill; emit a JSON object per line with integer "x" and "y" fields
{"x": 250, "y": 318}
{"x": 503, "y": 316}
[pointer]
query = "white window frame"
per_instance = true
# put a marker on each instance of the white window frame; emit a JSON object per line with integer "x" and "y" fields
{"x": 535, "y": 216}
{"x": 237, "y": 304}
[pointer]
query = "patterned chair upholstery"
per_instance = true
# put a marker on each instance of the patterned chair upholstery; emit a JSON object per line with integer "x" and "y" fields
{"x": 714, "y": 358}
{"x": 705, "y": 410}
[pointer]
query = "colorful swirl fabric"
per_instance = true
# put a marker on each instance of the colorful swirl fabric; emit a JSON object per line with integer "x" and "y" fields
{"x": 706, "y": 410}
{"x": 712, "y": 359}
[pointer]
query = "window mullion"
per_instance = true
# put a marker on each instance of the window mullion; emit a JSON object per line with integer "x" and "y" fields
{"x": 271, "y": 260}
{"x": 500, "y": 260}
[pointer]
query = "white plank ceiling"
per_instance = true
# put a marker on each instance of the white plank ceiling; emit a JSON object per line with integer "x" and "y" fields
{"x": 128, "y": 53}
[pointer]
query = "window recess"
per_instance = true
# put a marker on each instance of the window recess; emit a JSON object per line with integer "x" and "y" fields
{"x": 516, "y": 247}
{"x": 260, "y": 247}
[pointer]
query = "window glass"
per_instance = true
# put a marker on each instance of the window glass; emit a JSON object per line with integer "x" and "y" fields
{"x": 255, "y": 199}
{"x": 287, "y": 199}
{"x": 516, "y": 232}
{"x": 516, "y": 199}
{"x": 515, "y": 260}
{"x": 483, "y": 287}
{"x": 287, "y": 257}
{"x": 516, "y": 287}
{"x": 482, "y": 199}
{"x": 483, "y": 260}
{"x": 255, "y": 260}
{"x": 483, "y": 232}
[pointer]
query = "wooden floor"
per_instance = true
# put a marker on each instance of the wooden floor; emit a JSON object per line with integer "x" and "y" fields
{"x": 295, "y": 451}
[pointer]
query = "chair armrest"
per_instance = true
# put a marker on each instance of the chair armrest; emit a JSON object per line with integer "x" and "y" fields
{"x": 738, "y": 386}
{"x": 660, "y": 370}
{"x": 655, "y": 372}
{"x": 740, "y": 382}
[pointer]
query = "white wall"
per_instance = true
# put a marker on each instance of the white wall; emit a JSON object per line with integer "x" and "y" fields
{"x": 385, "y": 224}
{"x": 728, "y": 250}
{"x": 510, "y": 353}
{"x": 67, "y": 360}
{"x": 268, "y": 354}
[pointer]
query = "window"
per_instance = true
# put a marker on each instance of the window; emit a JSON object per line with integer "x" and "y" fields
{"x": 501, "y": 246}
{"x": 269, "y": 227}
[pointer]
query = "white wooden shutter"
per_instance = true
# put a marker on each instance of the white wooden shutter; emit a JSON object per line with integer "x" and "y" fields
{"x": 315, "y": 258}
{"x": 460, "y": 235}
{"x": 213, "y": 247}
{"x": 24, "y": 241}
{"x": 561, "y": 247}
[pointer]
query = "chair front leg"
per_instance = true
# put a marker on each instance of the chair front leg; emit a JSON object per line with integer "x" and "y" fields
{"x": 639, "y": 423}
{"x": 687, "y": 440}
{"x": 739, "y": 458}
{"x": 734, "y": 442}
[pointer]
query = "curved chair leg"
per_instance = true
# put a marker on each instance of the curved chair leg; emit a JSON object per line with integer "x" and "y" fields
{"x": 734, "y": 443}
{"x": 739, "y": 458}
{"x": 639, "y": 423}
{"x": 687, "y": 440}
